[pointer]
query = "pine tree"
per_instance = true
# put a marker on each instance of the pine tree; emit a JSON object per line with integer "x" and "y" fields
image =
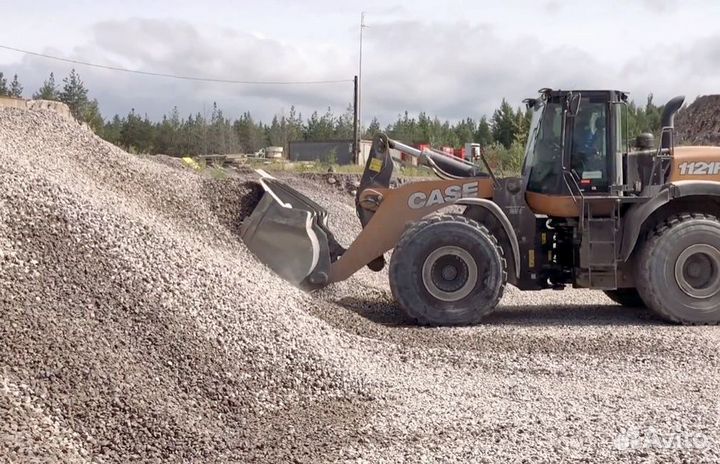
{"x": 217, "y": 137}
{"x": 320, "y": 127}
{"x": 112, "y": 130}
{"x": 75, "y": 95}
{"x": 163, "y": 136}
{"x": 16, "y": 89}
{"x": 198, "y": 135}
{"x": 137, "y": 134}
{"x": 91, "y": 115}
{"x": 4, "y": 91}
{"x": 504, "y": 124}
{"x": 522, "y": 123}
{"x": 449, "y": 136}
{"x": 130, "y": 132}
{"x": 408, "y": 130}
{"x": 251, "y": 136}
{"x": 344, "y": 125}
{"x": 275, "y": 132}
{"x": 465, "y": 130}
{"x": 372, "y": 130}
{"x": 483, "y": 135}
{"x": 652, "y": 115}
{"x": 423, "y": 132}
{"x": 175, "y": 147}
{"x": 149, "y": 136}
{"x": 48, "y": 91}
{"x": 294, "y": 126}
{"x": 185, "y": 136}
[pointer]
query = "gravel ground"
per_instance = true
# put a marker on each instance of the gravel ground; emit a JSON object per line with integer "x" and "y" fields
{"x": 135, "y": 326}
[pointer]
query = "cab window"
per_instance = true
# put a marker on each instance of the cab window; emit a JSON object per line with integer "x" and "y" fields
{"x": 589, "y": 147}
{"x": 543, "y": 158}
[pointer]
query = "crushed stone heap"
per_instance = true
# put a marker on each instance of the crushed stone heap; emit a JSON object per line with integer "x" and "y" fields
{"x": 133, "y": 323}
{"x": 699, "y": 123}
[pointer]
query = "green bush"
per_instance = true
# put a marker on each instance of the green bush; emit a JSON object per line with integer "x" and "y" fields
{"x": 507, "y": 161}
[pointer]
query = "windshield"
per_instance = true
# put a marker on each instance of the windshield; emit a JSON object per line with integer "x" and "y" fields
{"x": 532, "y": 133}
{"x": 544, "y": 149}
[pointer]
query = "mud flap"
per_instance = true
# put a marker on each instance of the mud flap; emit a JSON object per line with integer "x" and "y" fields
{"x": 288, "y": 232}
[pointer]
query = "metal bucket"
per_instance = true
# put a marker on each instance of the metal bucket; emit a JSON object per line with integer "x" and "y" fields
{"x": 288, "y": 232}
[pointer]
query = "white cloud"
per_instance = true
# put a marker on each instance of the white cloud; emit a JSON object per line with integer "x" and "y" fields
{"x": 177, "y": 47}
{"x": 440, "y": 64}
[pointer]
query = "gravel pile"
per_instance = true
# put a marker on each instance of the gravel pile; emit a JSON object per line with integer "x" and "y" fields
{"x": 699, "y": 123}
{"x": 171, "y": 161}
{"x": 135, "y": 326}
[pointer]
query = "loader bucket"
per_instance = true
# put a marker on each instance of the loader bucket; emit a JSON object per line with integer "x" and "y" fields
{"x": 288, "y": 232}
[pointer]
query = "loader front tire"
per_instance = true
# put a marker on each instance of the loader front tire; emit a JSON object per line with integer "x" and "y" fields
{"x": 679, "y": 269}
{"x": 447, "y": 270}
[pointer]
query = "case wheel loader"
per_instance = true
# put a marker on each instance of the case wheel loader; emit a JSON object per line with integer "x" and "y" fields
{"x": 641, "y": 224}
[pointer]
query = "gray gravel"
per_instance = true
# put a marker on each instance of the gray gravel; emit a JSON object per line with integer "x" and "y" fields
{"x": 135, "y": 326}
{"x": 132, "y": 316}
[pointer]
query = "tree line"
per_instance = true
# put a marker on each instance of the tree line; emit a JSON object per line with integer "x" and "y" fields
{"x": 503, "y": 134}
{"x": 73, "y": 93}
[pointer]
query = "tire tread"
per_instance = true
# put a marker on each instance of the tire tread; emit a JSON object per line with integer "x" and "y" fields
{"x": 409, "y": 234}
{"x": 644, "y": 267}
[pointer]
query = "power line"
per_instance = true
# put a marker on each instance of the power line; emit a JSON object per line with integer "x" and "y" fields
{"x": 171, "y": 76}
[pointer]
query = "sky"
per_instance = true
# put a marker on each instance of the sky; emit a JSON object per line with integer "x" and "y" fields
{"x": 452, "y": 59}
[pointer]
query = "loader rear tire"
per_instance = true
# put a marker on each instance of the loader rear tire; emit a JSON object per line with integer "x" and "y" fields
{"x": 447, "y": 270}
{"x": 679, "y": 269}
{"x": 628, "y": 297}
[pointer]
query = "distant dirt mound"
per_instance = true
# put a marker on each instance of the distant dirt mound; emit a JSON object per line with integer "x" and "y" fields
{"x": 699, "y": 123}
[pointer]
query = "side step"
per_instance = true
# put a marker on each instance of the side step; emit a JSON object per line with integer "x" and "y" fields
{"x": 599, "y": 250}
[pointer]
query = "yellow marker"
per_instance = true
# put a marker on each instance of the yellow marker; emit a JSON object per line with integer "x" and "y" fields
{"x": 191, "y": 162}
{"x": 376, "y": 165}
{"x": 531, "y": 258}
{"x": 543, "y": 238}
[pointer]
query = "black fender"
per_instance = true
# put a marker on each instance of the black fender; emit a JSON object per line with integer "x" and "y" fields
{"x": 636, "y": 217}
{"x": 502, "y": 218}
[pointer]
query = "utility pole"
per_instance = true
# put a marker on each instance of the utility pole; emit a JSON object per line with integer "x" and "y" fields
{"x": 356, "y": 129}
{"x": 359, "y": 82}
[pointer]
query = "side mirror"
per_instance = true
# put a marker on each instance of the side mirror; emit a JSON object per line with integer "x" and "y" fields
{"x": 574, "y": 104}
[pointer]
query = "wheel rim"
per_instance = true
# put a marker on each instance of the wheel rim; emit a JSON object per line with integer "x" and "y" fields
{"x": 449, "y": 273}
{"x": 697, "y": 271}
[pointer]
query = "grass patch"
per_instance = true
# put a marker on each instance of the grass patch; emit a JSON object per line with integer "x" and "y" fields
{"x": 216, "y": 172}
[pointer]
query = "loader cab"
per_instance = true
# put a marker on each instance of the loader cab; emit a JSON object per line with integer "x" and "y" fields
{"x": 574, "y": 142}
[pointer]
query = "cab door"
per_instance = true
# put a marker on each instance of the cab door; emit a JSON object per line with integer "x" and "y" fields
{"x": 568, "y": 155}
{"x": 590, "y": 154}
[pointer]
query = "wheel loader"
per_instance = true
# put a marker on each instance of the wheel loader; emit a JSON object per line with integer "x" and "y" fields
{"x": 639, "y": 221}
